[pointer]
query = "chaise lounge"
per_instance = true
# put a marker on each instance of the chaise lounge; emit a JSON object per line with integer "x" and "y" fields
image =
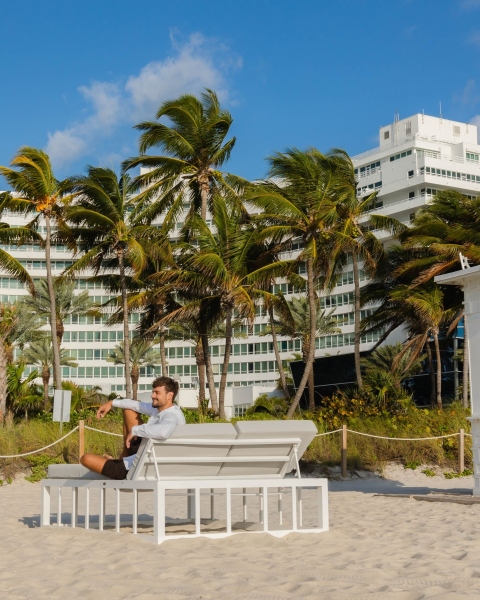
{"x": 241, "y": 464}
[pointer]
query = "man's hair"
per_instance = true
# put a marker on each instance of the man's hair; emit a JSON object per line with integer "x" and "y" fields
{"x": 168, "y": 383}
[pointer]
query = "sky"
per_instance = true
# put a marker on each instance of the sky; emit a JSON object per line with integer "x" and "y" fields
{"x": 77, "y": 75}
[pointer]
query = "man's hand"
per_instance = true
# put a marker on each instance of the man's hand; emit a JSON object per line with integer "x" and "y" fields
{"x": 104, "y": 409}
{"x": 130, "y": 437}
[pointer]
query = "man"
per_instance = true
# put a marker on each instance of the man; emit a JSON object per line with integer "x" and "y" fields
{"x": 165, "y": 416}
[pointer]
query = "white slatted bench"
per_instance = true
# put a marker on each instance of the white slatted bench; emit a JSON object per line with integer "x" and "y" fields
{"x": 205, "y": 461}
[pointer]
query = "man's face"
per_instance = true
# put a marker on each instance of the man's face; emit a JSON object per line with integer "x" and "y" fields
{"x": 161, "y": 399}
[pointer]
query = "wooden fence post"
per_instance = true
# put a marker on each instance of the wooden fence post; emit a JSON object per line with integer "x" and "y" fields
{"x": 81, "y": 439}
{"x": 344, "y": 451}
{"x": 461, "y": 451}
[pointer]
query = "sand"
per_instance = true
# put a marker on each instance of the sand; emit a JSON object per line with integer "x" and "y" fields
{"x": 377, "y": 547}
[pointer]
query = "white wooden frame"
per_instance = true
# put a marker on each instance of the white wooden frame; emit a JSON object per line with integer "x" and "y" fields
{"x": 199, "y": 487}
{"x": 262, "y": 486}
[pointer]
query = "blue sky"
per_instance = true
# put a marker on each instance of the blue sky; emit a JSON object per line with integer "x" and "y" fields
{"x": 78, "y": 74}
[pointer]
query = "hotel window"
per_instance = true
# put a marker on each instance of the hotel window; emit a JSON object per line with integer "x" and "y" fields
{"x": 411, "y": 174}
{"x": 386, "y": 135}
{"x": 473, "y": 157}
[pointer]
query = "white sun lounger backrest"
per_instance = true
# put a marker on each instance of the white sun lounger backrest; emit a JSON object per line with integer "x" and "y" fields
{"x": 143, "y": 467}
{"x": 303, "y": 431}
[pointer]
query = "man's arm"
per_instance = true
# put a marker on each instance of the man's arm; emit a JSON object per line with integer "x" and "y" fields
{"x": 140, "y": 407}
{"x": 157, "y": 431}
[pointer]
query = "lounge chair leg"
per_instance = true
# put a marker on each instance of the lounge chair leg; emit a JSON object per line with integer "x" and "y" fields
{"x": 300, "y": 508}
{"x": 59, "y": 507}
{"x": 322, "y": 507}
{"x": 244, "y": 504}
{"x": 191, "y": 505}
{"x": 294, "y": 508}
{"x": 265, "y": 508}
{"x": 117, "y": 511}
{"x": 87, "y": 508}
{"x": 45, "y": 514}
{"x": 159, "y": 514}
{"x": 260, "y": 497}
{"x": 197, "y": 511}
{"x": 74, "y": 506}
{"x": 212, "y": 504}
{"x": 280, "y": 506}
{"x": 135, "y": 512}
{"x": 229, "y": 510}
{"x": 102, "y": 509}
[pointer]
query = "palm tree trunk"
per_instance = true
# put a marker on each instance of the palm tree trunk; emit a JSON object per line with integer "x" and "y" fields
{"x": 466, "y": 361}
{"x": 311, "y": 350}
{"x": 281, "y": 371}
{"x": 199, "y": 359}
{"x": 134, "y": 387}
{"x": 3, "y": 381}
{"x": 163, "y": 357}
{"x": 57, "y": 375}
{"x": 126, "y": 335}
{"x": 226, "y": 361}
{"x": 439, "y": 370}
{"x": 204, "y": 191}
{"x": 432, "y": 373}
{"x": 45, "y": 381}
{"x": 206, "y": 356}
{"x": 60, "y": 331}
{"x": 311, "y": 391}
{"x": 356, "y": 330}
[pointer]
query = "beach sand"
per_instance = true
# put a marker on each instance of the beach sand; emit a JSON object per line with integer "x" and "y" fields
{"x": 377, "y": 547}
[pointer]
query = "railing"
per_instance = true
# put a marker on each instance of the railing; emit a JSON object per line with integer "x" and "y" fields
{"x": 343, "y": 430}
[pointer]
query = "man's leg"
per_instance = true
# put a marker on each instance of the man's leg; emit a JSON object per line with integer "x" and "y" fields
{"x": 94, "y": 462}
{"x": 130, "y": 419}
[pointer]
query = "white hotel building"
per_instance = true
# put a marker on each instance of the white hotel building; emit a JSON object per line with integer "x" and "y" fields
{"x": 417, "y": 157}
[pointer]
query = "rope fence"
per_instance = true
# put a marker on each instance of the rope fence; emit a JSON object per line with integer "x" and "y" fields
{"x": 343, "y": 430}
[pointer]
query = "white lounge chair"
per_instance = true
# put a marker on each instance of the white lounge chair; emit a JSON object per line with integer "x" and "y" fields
{"x": 250, "y": 459}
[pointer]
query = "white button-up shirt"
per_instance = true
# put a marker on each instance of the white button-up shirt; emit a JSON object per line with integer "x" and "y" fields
{"x": 160, "y": 425}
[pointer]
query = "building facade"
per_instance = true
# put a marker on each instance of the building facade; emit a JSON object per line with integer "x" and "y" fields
{"x": 417, "y": 157}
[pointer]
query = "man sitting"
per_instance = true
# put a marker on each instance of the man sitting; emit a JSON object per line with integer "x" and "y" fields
{"x": 165, "y": 416}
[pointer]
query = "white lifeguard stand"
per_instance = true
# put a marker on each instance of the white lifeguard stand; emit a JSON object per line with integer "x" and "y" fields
{"x": 469, "y": 279}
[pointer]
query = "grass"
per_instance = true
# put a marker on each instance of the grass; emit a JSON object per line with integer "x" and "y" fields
{"x": 370, "y": 453}
{"x": 362, "y": 452}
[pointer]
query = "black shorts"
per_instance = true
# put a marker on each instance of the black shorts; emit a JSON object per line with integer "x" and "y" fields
{"x": 115, "y": 468}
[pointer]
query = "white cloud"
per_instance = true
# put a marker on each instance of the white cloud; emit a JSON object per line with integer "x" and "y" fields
{"x": 469, "y": 4}
{"x": 196, "y": 64}
{"x": 474, "y": 38}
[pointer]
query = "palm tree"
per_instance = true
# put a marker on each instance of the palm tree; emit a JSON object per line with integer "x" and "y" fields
{"x": 38, "y": 191}
{"x": 8, "y": 321}
{"x": 294, "y": 322}
{"x": 67, "y": 303}
{"x": 195, "y": 150}
{"x": 40, "y": 353}
{"x": 216, "y": 276}
{"x": 82, "y": 398}
{"x": 357, "y": 241}
{"x": 299, "y": 203}
{"x": 142, "y": 354}
{"x": 23, "y": 394}
{"x": 108, "y": 238}
{"x": 393, "y": 364}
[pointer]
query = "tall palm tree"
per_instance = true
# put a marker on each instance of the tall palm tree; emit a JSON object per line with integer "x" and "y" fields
{"x": 216, "y": 276}
{"x": 38, "y": 191}
{"x": 142, "y": 354}
{"x": 195, "y": 149}
{"x": 294, "y": 322}
{"x": 67, "y": 303}
{"x": 40, "y": 353}
{"x": 107, "y": 238}
{"x": 357, "y": 241}
{"x": 444, "y": 228}
{"x": 299, "y": 203}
